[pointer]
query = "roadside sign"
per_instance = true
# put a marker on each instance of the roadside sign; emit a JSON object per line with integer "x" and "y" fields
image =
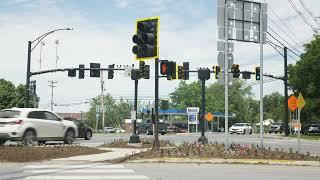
{"x": 297, "y": 126}
{"x": 221, "y": 59}
{"x": 192, "y": 110}
{"x": 301, "y": 102}
{"x": 293, "y": 103}
{"x": 209, "y": 116}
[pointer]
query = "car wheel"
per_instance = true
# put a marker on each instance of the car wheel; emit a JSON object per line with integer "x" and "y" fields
{"x": 269, "y": 132}
{"x": 88, "y": 135}
{"x": 163, "y": 133}
{"x": 69, "y": 137}
{"x": 280, "y": 132}
{"x": 2, "y": 142}
{"x": 244, "y": 131}
{"x": 250, "y": 131}
{"x": 29, "y": 138}
{"x": 276, "y": 132}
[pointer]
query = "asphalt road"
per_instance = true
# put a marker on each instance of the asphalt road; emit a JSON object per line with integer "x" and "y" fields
{"x": 272, "y": 141}
{"x": 172, "y": 171}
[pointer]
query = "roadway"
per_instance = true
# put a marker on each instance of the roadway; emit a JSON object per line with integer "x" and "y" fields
{"x": 270, "y": 140}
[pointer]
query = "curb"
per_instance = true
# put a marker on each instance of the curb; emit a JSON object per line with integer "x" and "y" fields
{"x": 228, "y": 161}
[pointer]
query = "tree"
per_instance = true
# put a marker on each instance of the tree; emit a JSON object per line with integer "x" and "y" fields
{"x": 115, "y": 112}
{"x": 273, "y": 106}
{"x": 241, "y": 101}
{"x": 7, "y": 94}
{"x": 304, "y": 77}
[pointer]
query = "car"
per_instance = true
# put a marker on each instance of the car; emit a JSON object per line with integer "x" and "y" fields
{"x": 276, "y": 127}
{"x": 314, "y": 128}
{"x": 148, "y": 128}
{"x": 109, "y": 130}
{"x": 31, "y": 125}
{"x": 119, "y": 130}
{"x": 174, "y": 129}
{"x": 84, "y": 131}
{"x": 240, "y": 128}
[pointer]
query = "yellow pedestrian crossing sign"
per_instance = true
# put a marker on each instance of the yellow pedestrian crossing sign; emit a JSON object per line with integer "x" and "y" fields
{"x": 301, "y": 102}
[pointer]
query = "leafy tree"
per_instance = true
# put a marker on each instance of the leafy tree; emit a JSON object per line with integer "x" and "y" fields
{"x": 304, "y": 77}
{"x": 7, "y": 94}
{"x": 273, "y": 106}
{"x": 241, "y": 101}
{"x": 115, "y": 112}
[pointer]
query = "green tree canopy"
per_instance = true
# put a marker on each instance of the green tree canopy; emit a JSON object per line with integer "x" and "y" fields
{"x": 7, "y": 94}
{"x": 304, "y": 77}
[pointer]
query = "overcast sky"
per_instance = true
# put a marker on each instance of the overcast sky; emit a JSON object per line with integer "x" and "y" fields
{"x": 102, "y": 33}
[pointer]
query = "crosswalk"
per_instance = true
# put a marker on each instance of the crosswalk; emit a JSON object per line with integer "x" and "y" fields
{"x": 90, "y": 171}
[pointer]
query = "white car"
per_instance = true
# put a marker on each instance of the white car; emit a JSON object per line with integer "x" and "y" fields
{"x": 30, "y": 125}
{"x": 240, "y": 128}
{"x": 119, "y": 130}
{"x": 109, "y": 130}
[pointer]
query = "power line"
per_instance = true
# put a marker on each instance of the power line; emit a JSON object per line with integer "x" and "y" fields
{"x": 309, "y": 12}
{"x": 305, "y": 20}
{"x": 284, "y": 24}
{"x": 283, "y": 44}
{"x": 284, "y": 40}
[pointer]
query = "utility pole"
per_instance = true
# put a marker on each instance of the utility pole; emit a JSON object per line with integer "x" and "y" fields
{"x": 286, "y": 131}
{"x": 102, "y": 100}
{"x": 52, "y": 86}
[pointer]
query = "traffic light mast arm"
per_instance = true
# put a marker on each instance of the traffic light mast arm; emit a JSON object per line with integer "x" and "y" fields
{"x": 67, "y": 69}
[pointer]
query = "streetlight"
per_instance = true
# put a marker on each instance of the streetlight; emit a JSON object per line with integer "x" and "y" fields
{"x": 30, "y": 49}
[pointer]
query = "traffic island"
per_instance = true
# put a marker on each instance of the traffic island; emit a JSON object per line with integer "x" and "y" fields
{"x": 46, "y": 152}
{"x": 216, "y": 153}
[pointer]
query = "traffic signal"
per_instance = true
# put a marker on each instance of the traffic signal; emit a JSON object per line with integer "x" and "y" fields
{"x": 257, "y": 73}
{"x": 204, "y": 74}
{"x": 185, "y": 70}
{"x": 141, "y": 67}
{"x": 146, "y": 38}
{"x": 180, "y": 72}
{"x": 146, "y": 72}
{"x": 81, "y": 71}
{"x": 164, "y": 67}
{"x": 135, "y": 74}
{"x": 110, "y": 71}
{"x": 72, "y": 72}
{"x": 95, "y": 73}
{"x": 217, "y": 71}
{"x": 172, "y": 70}
{"x": 235, "y": 70}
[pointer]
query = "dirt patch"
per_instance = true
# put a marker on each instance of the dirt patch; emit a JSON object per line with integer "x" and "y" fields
{"x": 145, "y": 143}
{"x": 195, "y": 150}
{"x": 39, "y": 153}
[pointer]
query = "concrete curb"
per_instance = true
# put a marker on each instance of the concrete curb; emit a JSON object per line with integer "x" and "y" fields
{"x": 228, "y": 161}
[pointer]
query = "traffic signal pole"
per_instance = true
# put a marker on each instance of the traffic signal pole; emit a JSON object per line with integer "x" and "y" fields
{"x": 134, "y": 138}
{"x": 286, "y": 131}
{"x": 156, "y": 144}
{"x": 203, "y": 139}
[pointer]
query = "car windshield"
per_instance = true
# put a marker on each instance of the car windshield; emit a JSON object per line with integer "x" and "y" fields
{"x": 238, "y": 125}
{"x": 9, "y": 114}
{"x": 315, "y": 125}
{"x": 276, "y": 123}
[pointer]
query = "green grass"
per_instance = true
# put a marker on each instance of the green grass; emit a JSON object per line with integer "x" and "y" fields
{"x": 307, "y": 136}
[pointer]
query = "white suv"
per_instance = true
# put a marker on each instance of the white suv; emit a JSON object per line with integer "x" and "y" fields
{"x": 29, "y": 125}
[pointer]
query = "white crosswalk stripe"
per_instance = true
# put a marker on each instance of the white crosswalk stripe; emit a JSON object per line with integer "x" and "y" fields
{"x": 81, "y": 172}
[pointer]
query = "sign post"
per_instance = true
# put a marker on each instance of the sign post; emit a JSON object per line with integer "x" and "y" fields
{"x": 301, "y": 104}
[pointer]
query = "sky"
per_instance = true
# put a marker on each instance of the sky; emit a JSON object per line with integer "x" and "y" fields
{"x": 103, "y": 31}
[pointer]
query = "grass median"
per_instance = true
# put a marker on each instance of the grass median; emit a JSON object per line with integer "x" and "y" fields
{"x": 40, "y": 153}
{"x": 145, "y": 143}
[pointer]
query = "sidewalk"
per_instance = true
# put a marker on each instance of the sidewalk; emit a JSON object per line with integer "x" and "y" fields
{"x": 115, "y": 154}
